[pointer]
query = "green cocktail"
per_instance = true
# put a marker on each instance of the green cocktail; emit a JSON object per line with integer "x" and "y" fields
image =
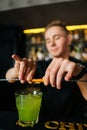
{"x": 28, "y": 105}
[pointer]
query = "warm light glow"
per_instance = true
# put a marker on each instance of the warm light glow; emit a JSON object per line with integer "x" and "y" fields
{"x": 74, "y": 27}
{"x": 41, "y": 30}
{"x": 37, "y": 30}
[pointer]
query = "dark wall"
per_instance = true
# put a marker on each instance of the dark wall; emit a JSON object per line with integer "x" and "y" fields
{"x": 12, "y": 40}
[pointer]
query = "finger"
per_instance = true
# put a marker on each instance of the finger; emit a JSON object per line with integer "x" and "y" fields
{"x": 22, "y": 81}
{"x": 46, "y": 77}
{"x": 66, "y": 71}
{"x": 71, "y": 69}
{"x": 31, "y": 66}
{"x": 53, "y": 73}
{"x": 31, "y": 72}
{"x": 47, "y": 73}
{"x": 16, "y": 57}
{"x": 25, "y": 69}
{"x": 59, "y": 78}
{"x": 68, "y": 76}
{"x": 17, "y": 61}
{"x": 22, "y": 69}
{"x": 61, "y": 73}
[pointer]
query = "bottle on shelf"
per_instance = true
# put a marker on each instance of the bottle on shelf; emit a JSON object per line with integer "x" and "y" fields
{"x": 33, "y": 40}
{"x": 76, "y": 35}
{"x": 32, "y": 54}
{"x": 85, "y": 34}
{"x": 40, "y": 54}
{"x": 38, "y": 40}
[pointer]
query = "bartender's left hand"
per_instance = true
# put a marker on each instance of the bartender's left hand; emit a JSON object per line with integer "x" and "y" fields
{"x": 58, "y": 69}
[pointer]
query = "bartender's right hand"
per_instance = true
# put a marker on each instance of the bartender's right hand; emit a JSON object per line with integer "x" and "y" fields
{"x": 24, "y": 69}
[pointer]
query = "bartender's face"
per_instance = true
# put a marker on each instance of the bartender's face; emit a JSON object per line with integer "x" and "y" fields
{"x": 56, "y": 41}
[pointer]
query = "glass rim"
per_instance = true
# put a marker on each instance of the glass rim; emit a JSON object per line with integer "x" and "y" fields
{"x": 27, "y": 90}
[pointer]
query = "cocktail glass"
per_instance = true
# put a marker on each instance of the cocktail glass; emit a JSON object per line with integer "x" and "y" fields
{"x": 28, "y": 103}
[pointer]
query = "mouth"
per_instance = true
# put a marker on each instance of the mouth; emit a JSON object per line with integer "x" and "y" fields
{"x": 55, "y": 49}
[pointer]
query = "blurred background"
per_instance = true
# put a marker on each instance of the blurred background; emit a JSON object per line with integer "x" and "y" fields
{"x": 22, "y": 24}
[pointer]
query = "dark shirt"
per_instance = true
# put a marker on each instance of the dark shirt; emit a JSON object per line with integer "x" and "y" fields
{"x": 56, "y": 104}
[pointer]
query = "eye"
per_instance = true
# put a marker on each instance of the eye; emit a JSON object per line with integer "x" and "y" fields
{"x": 47, "y": 41}
{"x": 57, "y": 37}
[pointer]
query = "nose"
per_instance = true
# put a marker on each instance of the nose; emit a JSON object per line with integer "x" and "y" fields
{"x": 52, "y": 42}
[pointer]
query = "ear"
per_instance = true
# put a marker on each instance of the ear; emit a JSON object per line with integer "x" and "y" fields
{"x": 69, "y": 39}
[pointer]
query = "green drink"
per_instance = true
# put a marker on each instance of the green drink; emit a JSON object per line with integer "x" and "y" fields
{"x": 28, "y": 104}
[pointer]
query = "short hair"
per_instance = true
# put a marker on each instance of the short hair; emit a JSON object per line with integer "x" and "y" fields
{"x": 57, "y": 23}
